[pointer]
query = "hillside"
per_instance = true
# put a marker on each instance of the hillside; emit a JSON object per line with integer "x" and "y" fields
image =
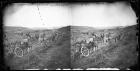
{"x": 104, "y": 48}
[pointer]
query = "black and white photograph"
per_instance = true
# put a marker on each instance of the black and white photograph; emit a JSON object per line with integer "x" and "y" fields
{"x": 70, "y": 36}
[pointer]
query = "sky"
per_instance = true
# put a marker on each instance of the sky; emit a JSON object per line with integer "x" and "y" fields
{"x": 28, "y": 16}
{"x": 104, "y": 16}
{"x": 53, "y": 16}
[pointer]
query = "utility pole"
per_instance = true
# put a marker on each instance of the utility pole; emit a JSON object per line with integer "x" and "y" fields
{"x": 40, "y": 14}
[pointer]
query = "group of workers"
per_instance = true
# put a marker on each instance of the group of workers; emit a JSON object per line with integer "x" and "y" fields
{"x": 97, "y": 41}
{"x": 31, "y": 38}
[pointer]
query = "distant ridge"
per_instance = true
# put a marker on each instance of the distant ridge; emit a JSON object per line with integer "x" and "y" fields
{"x": 65, "y": 28}
{"x": 94, "y": 28}
{"x": 15, "y": 28}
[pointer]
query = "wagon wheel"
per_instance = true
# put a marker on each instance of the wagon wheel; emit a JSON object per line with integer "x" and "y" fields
{"x": 18, "y": 52}
{"x": 84, "y": 51}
